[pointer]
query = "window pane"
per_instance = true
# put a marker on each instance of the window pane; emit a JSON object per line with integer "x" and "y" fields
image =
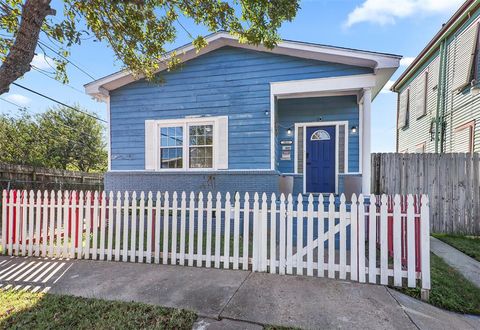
{"x": 171, "y": 136}
{"x": 171, "y": 158}
{"x": 201, "y": 157}
{"x": 201, "y": 135}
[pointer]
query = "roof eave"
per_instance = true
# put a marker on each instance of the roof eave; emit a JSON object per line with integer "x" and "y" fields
{"x": 434, "y": 44}
{"x": 376, "y": 61}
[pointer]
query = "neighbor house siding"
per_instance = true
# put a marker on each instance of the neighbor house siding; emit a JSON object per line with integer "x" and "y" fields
{"x": 229, "y": 81}
{"x": 461, "y": 107}
{"x": 418, "y": 129}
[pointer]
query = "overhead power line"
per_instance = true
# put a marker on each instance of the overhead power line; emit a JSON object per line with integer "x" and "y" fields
{"x": 50, "y": 77}
{"x": 13, "y": 103}
{"x": 59, "y": 102}
{"x": 75, "y": 142}
{"x": 26, "y": 108}
{"x": 66, "y": 59}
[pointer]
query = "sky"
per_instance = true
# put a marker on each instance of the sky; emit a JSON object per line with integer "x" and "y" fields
{"x": 400, "y": 27}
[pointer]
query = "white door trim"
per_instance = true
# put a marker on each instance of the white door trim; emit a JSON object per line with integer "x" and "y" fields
{"x": 337, "y": 124}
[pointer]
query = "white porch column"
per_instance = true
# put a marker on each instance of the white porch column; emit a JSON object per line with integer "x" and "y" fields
{"x": 366, "y": 141}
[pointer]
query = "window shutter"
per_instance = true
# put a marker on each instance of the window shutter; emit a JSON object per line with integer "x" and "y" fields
{"x": 222, "y": 143}
{"x": 402, "y": 114}
{"x": 151, "y": 145}
{"x": 463, "y": 139}
{"x": 465, "y": 47}
{"x": 421, "y": 91}
{"x": 432, "y": 84}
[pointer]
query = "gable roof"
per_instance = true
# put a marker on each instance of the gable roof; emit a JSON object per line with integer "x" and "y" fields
{"x": 452, "y": 25}
{"x": 383, "y": 64}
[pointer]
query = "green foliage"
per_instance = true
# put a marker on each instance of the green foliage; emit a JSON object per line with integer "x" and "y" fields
{"x": 467, "y": 244}
{"x": 59, "y": 138}
{"x": 139, "y": 30}
{"x": 450, "y": 290}
{"x": 26, "y": 310}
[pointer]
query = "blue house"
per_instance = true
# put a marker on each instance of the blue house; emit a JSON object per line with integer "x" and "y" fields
{"x": 238, "y": 117}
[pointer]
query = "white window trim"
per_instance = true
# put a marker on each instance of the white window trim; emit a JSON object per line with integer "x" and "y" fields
{"x": 186, "y": 123}
{"x": 337, "y": 124}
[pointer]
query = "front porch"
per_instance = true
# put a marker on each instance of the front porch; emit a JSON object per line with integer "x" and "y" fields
{"x": 321, "y": 134}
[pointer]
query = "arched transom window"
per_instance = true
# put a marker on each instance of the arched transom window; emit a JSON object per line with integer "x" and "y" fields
{"x": 320, "y": 135}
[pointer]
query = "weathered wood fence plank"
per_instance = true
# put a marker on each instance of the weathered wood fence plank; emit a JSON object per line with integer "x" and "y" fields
{"x": 452, "y": 182}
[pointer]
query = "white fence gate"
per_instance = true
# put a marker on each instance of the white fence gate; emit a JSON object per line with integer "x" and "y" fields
{"x": 381, "y": 240}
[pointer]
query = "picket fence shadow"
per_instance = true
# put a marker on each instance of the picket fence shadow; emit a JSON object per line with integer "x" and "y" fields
{"x": 375, "y": 239}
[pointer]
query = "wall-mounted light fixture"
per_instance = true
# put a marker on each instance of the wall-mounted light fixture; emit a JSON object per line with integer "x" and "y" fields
{"x": 475, "y": 89}
{"x": 354, "y": 129}
{"x": 267, "y": 112}
{"x": 289, "y": 131}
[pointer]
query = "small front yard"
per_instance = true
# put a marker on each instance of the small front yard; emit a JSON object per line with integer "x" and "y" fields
{"x": 467, "y": 244}
{"x": 450, "y": 290}
{"x": 27, "y": 310}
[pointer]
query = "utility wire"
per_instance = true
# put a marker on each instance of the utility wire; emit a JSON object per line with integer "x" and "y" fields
{"x": 66, "y": 59}
{"x": 12, "y": 103}
{"x": 7, "y": 6}
{"x": 48, "y": 76}
{"x": 56, "y": 101}
{"x": 66, "y": 126}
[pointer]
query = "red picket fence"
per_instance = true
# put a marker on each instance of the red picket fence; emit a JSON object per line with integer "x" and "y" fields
{"x": 19, "y": 199}
{"x": 404, "y": 206}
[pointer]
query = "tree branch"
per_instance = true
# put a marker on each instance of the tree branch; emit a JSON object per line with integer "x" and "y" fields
{"x": 18, "y": 60}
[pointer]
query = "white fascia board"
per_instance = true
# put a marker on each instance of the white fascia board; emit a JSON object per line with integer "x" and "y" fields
{"x": 332, "y": 84}
{"x": 353, "y": 57}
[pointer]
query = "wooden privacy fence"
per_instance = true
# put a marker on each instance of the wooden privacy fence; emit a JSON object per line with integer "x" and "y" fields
{"x": 29, "y": 177}
{"x": 452, "y": 182}
{"x": 380, "y": 240}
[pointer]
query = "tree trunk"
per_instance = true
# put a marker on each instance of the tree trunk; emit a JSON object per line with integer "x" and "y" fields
{"x": 18, "y": 60}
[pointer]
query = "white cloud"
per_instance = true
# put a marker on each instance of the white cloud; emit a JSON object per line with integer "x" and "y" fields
{"x": 384, "y": 12}
{"x": 43, "y": 62}
{"x": 406, "y": 61}
{"x": 386, "y": 88}
{"x": 18, "y": 99}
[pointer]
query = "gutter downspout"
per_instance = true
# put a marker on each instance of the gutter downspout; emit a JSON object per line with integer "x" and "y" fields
{"x": 439, "y": 119}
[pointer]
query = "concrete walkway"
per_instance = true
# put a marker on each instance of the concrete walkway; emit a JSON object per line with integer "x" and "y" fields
{"x": 467, "y": 266}
{"x": 226, "y": 299}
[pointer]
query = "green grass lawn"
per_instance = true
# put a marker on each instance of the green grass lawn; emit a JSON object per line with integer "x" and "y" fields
{"x": 450, "y": 290}
{"x": 26, "y": 310}
{"x": 468, "y": 245}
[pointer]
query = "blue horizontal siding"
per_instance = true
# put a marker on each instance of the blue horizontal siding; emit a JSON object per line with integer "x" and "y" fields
{"x": 338, "y": 108}
{"x": 228, "y": 81}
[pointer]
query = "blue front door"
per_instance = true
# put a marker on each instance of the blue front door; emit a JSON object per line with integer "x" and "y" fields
{"x": 320, "y": 159}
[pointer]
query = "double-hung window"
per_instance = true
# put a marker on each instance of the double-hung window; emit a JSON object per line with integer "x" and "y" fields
{"x": 200, "y": 149}
{"x": 186, "y": 144}
{"x": 171, "y": 147}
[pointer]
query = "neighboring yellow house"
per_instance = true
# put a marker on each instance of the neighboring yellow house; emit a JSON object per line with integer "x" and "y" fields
{"x": 439, "y": 93}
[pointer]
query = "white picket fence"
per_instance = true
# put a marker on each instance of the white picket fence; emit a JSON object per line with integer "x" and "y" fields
{"x": 315, "y": 237}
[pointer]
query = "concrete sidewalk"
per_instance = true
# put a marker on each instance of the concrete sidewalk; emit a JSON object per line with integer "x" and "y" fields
{"x": 467, "y": 266}
{"x": 226, "y": 299}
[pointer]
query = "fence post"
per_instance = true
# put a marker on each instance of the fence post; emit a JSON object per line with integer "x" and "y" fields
{"x": 4, "y": 221}
{"x": 425, "y": 246}
{"x": 262, "y": 238}
{"x": 255, "y": 233}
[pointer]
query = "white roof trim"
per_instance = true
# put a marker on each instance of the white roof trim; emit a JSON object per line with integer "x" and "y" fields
{"x": 376, "y": 61}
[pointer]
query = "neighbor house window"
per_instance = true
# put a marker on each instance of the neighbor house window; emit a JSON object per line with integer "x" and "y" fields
{"x": 171, "y": 147}
{"x": 201, "y": 146}
{"x": 404, "y": 109}
{"x": 466, "y": 46}
{"x": 463, "y": 138}
{"x": 187, "y": 143}
{"x": 420, "y": 148}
